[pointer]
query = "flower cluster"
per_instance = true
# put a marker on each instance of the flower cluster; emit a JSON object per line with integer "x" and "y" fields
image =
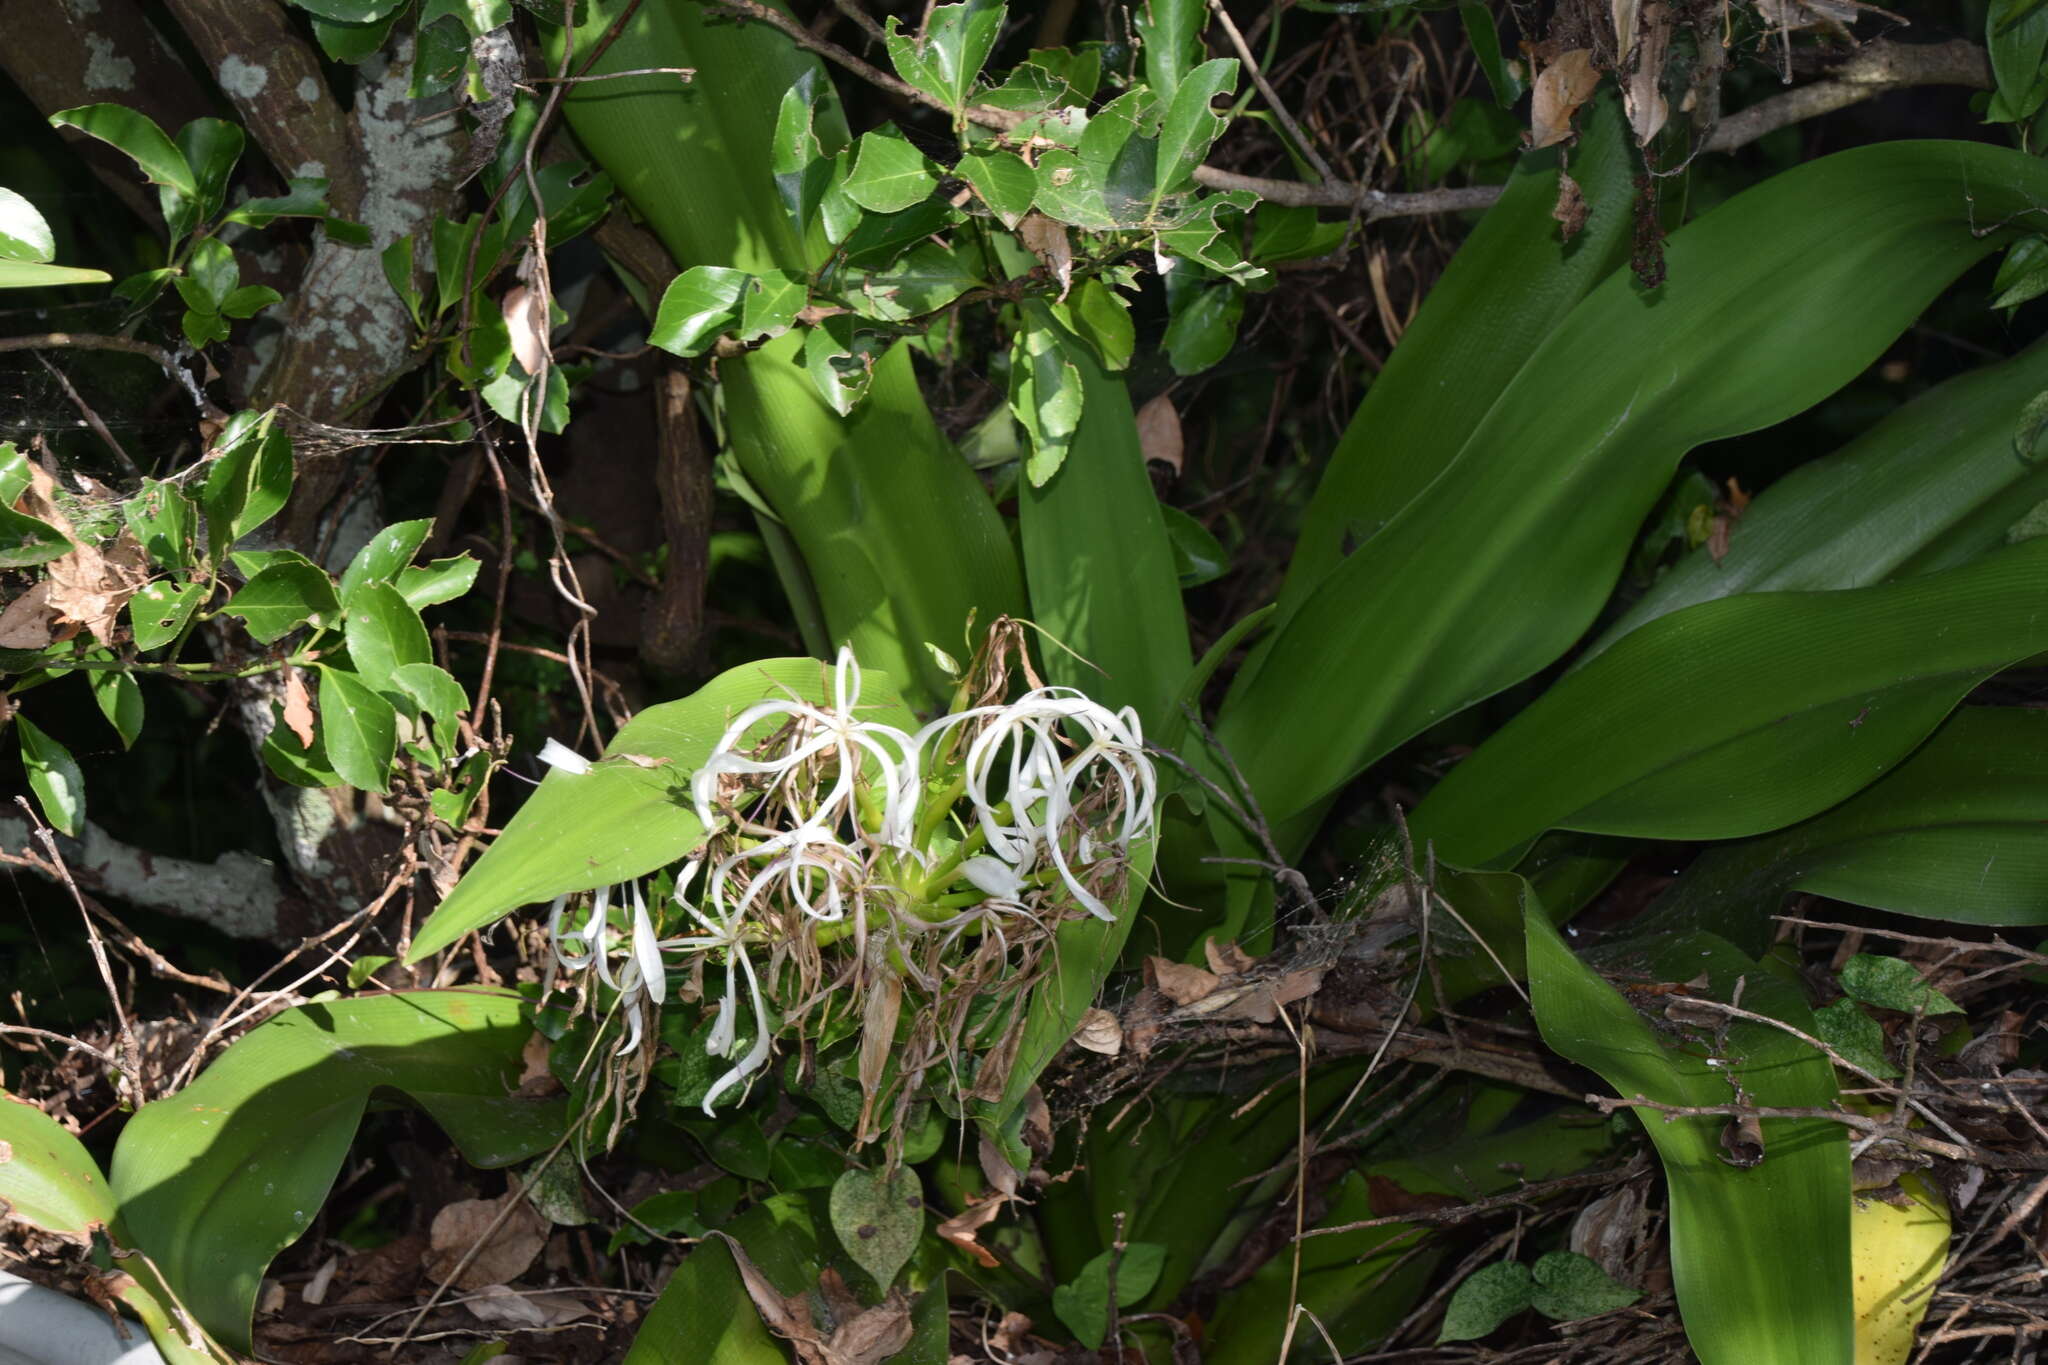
{"x": 843, "y": 852}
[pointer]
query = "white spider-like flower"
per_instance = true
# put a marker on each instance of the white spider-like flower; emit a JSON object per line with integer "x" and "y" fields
{"x": 838, "y": 732}
{"x": 642, "y": 975}
{"x": 728, "y": 935}
{"x": 1040, "y": 793}
{"x": 822, "y": 875}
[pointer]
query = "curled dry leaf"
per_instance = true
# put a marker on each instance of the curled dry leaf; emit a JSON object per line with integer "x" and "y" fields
{"x": 961, "y": 1228}
{"x": 1227, "y": 959}
{"x": 298, "y": 708}
{"x": 1047, "y": 240}
{"x": 1100, "y": 1032}
{"x": 526, "y": 319}
{"x": 1560, "y": 89}
{"x": 89, "y": 587}
{"x": 25, "y": 622}
{"x": 1642, "y": 94}
{"x": 1179, "y": 982}
{"x": 1159, "y": 433}
{"x": 501, "y": 1305}
{"x": 1606, "y": 1231}
{"x": 505, "y": 1252}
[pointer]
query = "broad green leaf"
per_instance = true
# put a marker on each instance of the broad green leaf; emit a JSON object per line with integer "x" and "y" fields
{"x": 1759, "y": 1254}
{"x": 946, "y": 56}
{"x": 35, "y": 275}
{"x": 697, "y": 305}
{"x": 2022, "y": 275}
{"x": 304, "y": 197}
{"x": 138, "y": 137}
{"x": 878, "y": 1217}
{"x": 925, "y": 279}
{"x": 53, "y": 776}
{"x": 165, "y": 521}
{"x": 1855, "y": 1036}
{"x": 1892, "y": 983}
{"x": 358, "y": 728}
{"x": 211, "y": 274}
{"x": 351, "y": 43}
{"x": 1106, "y": 182}
{"x": 1097, "y": 557}
{"x": 1170, "y": 37}
{"x": 25, "y": 540}
{"x": 621, "y": 820}
{"x": 24, "y": 236}
{"x": 444, "y": 580}
{"x": 801, "y": 162}
{"x": 281, "y": 598}
{"x": 384, "y": 634}
{"x": 1209, "y": 233}
{"x": 1404, "y": 433}
{"x": 119, "y": 698}
{"x": 769, "y": 304}
{"x": 2016, "y": 32}
{"x": 889, "y": 174}
{"x": 211, "y": 147}
{"x": 1003, "y": 180}
{"x": 1190, "y": 125}
{"x": 878, "y": 239}
{"x": 397, "y": 260}
{"x": 441, "y": 697}
{"x": 49, "y": 1181}
{"x": 840, "y": 357}
{"x": 1083, "y": 1303}
{"x": 1933, "y": 485}
{"x": 160, "y": 611}
{"x": 1203, "y": 325}
{"x": 216, "y": 1180}
{"x": 1743, "y": 714}
{"x": 931, "y": 549}
{"x": 705, "y": 1315}
{"x": 385, "y": 556}
{"x": 1765, "y": 311}
{"x": 1285, "y": 232}
{"x": 1045, "y": 393}
{"x": 1485, "y": 1299}
{"x": 1198, "y": 557}
{"x": 1958, "y": 831}
{"x": 249, "y": 300}
{"x": 250, "y": 479}
{"x": 301, "y": 766}
{"x": 478, "y": 16}
{"x": 1568, "y": 1287}
{"x": 1098, "y": 315}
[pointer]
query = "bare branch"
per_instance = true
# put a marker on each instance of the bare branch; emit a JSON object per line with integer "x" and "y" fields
{"x": 1874, "y": 69}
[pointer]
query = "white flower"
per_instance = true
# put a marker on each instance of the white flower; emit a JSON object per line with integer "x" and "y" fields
{"x": 851, "y": 742}
{"x": 729, "y": 935}
{"x": 556, "y": 754}
{"x": 642, "y": 975}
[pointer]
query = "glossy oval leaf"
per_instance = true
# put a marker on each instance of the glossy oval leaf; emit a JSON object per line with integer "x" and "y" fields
{"x": 24, "y": 236}
{"x": 358, "y": 728}
{"x": 138, "y": 137}
{"x": 47, "y": 1178}
{"x": 1495, "y": 568}
{"x": 1744, "y": 714}
{"x": 624, "y": 819}
{"x": 214, "y": 1181}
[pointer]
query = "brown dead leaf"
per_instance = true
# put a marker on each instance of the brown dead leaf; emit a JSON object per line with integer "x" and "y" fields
{"x": 1002, "y": 1176}
{"x": 506, "y": 1252}
{"x": 1100, "y": 1032}
{"x": 1179, "y": 982}
{"x": 1047, "y": 240}
{"x": 298, "y": 708}
{"x": 89, "y": 587}
{"x": 1606, "y": 1230}
{"x": 1570, "y": 209}
{"x": 1227, "y": 959}
{"x": 1159, "y": 433}
{"x": 526, "y": 319}
{"x": 1642, "y": 94}
{"x": 25, "y": 622}
{"x": 870, "y": 1336}
{"x": 961, "y": 1228}
{"x": 500, "y": 1305}
{"x": 1560, "y": 89}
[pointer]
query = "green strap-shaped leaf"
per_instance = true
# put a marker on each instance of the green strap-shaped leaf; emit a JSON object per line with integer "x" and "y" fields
{"x": 1759, "y": 1255}
{"x": 625, "y": 819}
{"x": 214, "y": 1181}
{"x": 1931, "y": 486}
{"x": 900, "y": 539}
{"x": 1744, "y": 714}
{"x": 1501, "y": 562}
{"x": 1098, "y": 560}
{"x": 47, "y": 1179}
{"x": 1959, "y": 831}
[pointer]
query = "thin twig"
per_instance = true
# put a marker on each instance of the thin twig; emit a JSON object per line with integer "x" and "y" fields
{"x": 1272, "y": 98}
{"x": 92, "y": 419}
{"x": 127, "y": 1050}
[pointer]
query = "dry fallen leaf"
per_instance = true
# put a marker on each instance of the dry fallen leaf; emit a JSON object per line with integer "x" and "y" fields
{"x": 526, "y": 319}
{"x": 1262, "y": 1002}
{"x": 1641, "y": 94}
{"x": 1227, "y": 959}
{"x": 25, "y": 622}
{"x": 1570, "y": 209}
{"x": 1560, "y": 89}
{"x": 500, "y": 1305}
{"x": 1179, "y": 982}
{"x": 1100, "y": 1032}
{"x": 298, "y": 708}
{"x": 1159, "y": 433}
{"x": 961, "y": 1228}
{"x": 1047, "y": 240}
{"x": 507, "y": 1251}
{"x": 89, "y": 588}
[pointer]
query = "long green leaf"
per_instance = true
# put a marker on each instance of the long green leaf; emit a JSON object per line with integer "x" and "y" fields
{"x": 1931, "y": 486}
{"x": 1098, "y": 561}
{"x": 1959, "y": 831}
{"x": 49, "y": 1181}
{"x": 901, "y": 540}
{"x": 215, "y": 1181}
{"x": 1759, "y": 1256}
{"x": 705, "y": 1315}
{"x": 625, "y": 819}
{"x": 1502, "y": 561}
{"x": 1744, "y": 714}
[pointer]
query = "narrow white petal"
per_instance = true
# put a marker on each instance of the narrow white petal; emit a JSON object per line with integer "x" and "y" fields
{"x": 556, "y": 754}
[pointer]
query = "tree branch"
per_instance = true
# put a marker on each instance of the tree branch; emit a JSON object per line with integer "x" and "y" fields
{"x": 1873, "y": 69}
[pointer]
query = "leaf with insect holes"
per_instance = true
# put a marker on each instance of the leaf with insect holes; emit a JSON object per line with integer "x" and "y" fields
{"x": 1190, "y": 125}
{"x": 878, "y": 1218}
{"x": 947, "y": 54}
{"x": 1003, "y": 180}
{"x": 160, "y": 611}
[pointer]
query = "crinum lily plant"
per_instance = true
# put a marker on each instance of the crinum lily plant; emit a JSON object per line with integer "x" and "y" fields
{"x": 857, "y": 874}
